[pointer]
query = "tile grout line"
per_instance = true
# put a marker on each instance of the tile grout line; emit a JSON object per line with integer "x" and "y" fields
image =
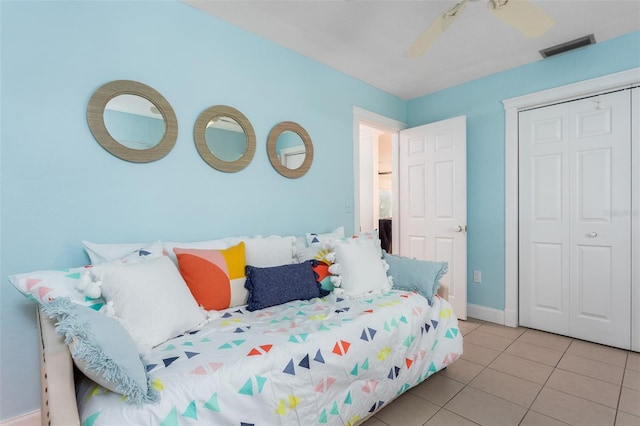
{"x": 626, "y": 361}
{"x": 464, "y": 385}
{"x": 468, "y": 385}
{"x": 544, "y": 384}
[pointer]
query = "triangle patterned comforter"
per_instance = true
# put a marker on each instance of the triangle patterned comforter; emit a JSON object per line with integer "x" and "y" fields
{"x": 328, "y": 360}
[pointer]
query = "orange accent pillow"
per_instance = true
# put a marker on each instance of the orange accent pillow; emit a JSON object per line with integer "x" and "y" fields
{"x": 215, "y": 277}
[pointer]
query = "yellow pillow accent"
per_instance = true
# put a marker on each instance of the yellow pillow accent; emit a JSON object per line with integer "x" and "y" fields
{"x": 236, "y": 260}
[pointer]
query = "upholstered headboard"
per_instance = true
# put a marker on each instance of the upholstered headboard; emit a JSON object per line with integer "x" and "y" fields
{"x": 58, "y": 392}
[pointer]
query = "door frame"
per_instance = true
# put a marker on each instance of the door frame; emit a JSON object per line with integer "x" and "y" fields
{"x": 380, "y": 122}
{"x": 512, "y": 106}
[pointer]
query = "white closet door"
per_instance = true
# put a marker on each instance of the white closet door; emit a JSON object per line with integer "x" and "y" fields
{"x": 575, "y": 250}
{"x": 544, "y": 219}
{"x": 601, "y": 225}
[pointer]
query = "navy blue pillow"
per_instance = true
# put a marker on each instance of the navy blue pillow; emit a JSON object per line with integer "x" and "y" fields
{"x": 280, "y": 284}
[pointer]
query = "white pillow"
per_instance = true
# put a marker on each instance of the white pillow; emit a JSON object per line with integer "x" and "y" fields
{"x": 299, "y": 247}
{"x": 316, "y": 246}
{"x": 151, "y": 300}
{"x": 373, "y": 236}
{"x": 322, "y": 252}
{"x": 102, "y": 253}
{"x": 358, "y": 268}
{"x": 336, "y": 234}
{"x": 207, "y": 245}
{"x": 270, "y": 251}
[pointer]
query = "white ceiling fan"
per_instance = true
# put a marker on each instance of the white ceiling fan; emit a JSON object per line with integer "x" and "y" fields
{"x": 522, "y": 15}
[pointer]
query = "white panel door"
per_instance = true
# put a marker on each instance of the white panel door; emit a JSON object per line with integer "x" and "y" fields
{"x": 601, "y": 225}
{"x": 544, "y": 219}
{"x": 575, "y": 246}
{"x": 433, "y": 201}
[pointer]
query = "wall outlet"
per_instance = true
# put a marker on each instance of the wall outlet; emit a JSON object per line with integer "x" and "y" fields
{"x": 477, "y": 276}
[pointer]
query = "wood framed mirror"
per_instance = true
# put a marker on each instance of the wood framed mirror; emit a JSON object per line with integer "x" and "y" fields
{"x": 132, "y": 121}
{"x": 225, "y": 138}
{"x": 290, "y": 149}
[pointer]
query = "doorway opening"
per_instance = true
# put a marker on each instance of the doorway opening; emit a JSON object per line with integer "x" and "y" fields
{"x": 376, "y": 183}
{"x": 375, "y": 144}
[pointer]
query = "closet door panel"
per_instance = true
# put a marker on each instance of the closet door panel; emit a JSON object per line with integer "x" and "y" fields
{"x": 544, "y": 220}
{"x": 600, "y": 283}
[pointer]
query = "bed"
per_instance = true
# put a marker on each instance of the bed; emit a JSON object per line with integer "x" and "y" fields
{"x": 296, "y": 341}
{"x": 428, "y": 341}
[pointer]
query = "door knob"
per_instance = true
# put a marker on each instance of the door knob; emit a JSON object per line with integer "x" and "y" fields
{"x": 461, "y": 228}
{"x": 592, "y": 234}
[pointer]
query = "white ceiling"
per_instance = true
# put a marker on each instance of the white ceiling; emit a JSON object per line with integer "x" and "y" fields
{"x": 367, "y": 39}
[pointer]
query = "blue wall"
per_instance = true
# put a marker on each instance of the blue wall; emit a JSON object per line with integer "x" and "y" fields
{"x": 60, "y": 187}
{"x": 481, "y": 101}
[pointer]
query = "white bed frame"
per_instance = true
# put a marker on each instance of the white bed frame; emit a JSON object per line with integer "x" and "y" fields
{"x": 58, "y": 400}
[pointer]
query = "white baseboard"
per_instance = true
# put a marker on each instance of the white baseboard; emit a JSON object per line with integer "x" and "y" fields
{"x": 486, "y": 314}
{"x": 28, "y": 419}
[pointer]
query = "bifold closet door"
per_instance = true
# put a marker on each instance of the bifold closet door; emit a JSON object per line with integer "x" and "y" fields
{"x": 575, "y": 249}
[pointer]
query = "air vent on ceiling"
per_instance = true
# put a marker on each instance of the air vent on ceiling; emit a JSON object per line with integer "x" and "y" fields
{"x": 567, "y": 46}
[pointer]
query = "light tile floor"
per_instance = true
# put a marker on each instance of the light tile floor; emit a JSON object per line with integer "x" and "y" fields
{"x": 519, "y": 376}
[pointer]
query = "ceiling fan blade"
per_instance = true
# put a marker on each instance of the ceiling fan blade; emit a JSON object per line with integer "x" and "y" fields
{"x": 433, "y": 31}
{"x": 522, "y": 15}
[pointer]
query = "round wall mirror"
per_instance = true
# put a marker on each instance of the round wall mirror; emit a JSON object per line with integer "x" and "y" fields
{"x": 290, "y": 149}
{"x": 225, "y": 138}
{"x": 132, "y": 121}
